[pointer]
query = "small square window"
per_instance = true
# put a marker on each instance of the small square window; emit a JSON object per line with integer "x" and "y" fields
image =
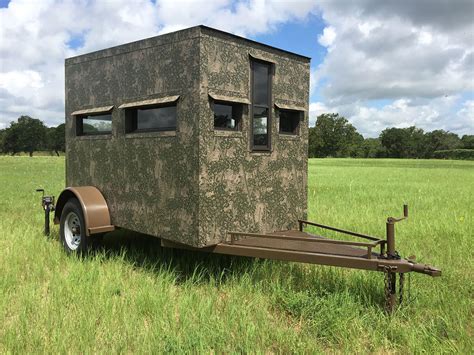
{"x": 227, "y": 115}
{"x": 94, "y": 124}
{"x": 289, "y": 121}
{"x": 155, "y": 118}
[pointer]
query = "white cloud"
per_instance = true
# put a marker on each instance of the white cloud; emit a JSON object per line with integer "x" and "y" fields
{"x": 464, "y": 123}
{"x": 316, "y": 109}
{"x": 35, "y": 34}
{"x": 15, "y": 81}
{"x": 428, "y": 114}
{"x": 418, "y": 56}
{"x": 425, "y": 37}
{"x": 328, "y": 36}
{"x": 33, "y": 45}
{"x": 243, "y": 18}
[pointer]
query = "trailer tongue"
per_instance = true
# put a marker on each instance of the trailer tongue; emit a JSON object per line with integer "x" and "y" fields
{"x": 300, "y": 246}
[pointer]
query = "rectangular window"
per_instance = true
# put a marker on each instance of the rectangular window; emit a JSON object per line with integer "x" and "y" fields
{"x": 227, "y": 115}
{"x": 146, "y": 119}
{"x": 94, "y": 124}
{"x": 261, "y": 94}
{"x": 289, "y": 121}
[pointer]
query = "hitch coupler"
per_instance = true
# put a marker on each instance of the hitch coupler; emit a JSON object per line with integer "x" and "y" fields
{"x": 426, "y": 269}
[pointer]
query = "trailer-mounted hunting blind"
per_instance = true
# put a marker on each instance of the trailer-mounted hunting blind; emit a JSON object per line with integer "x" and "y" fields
{"x": 200, "y": 138}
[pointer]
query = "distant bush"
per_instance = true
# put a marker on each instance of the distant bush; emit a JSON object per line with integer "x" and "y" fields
{"x": 457, "y": 154}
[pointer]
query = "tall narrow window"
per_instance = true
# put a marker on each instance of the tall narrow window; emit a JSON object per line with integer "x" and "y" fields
{"x": 261, "y": 84}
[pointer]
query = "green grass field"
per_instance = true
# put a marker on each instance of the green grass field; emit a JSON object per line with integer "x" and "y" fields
{"x": 134, "y": 296}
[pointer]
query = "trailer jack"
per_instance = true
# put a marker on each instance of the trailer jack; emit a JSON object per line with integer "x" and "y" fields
{"x": 47, "y": 204}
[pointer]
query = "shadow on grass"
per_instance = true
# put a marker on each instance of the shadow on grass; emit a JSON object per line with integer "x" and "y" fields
{"x": 284, "y": 282}
{"x": 144, "y": 251}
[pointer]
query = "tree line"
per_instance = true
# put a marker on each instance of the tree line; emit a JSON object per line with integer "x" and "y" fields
{"x": 30, "y": 135}
{"x": 334, "y": 136}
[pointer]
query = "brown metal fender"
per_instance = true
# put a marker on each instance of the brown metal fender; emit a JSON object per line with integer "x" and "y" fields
{"x": 94, "y": 207}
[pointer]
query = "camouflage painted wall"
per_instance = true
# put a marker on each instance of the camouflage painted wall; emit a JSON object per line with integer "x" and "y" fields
{"x": 149, "y": 180}
{"x": 192, "y": 185}
{"x": 241, "y": 190}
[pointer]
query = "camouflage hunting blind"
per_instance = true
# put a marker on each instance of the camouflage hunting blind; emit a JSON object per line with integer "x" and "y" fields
{"x": 191, "y": 135}
{"x": 199, "y": 137}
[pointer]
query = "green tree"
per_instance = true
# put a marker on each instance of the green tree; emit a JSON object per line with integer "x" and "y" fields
{"x": 313, "y": 142}
{"x": 353, "y": 149}
{"x": 334, "y": 136}
{"x": 26, "y": 135}
{"x": 56, "y": 139}
{"x": 467, "y": 141}
{"x": 10, "y": 139}
{"x": 2, "y": 140}
{"x": 372, "y": 148}
{"x": 440, "y": 140}
{"x": 403, "y": 142}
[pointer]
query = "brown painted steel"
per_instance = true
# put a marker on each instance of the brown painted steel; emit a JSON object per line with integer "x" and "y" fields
{"x": 299, "y": 246}
{"x": 391, "y": 251}
{"x": 309, "y": 257}
{"x": 390, "y": 238}
{"x": 316, "y": 239}
{"x": 304, "y": 244}
{"x": 103, "y": 229}
{"x": 302, "y": 222}
{"x": 94, "y": 207}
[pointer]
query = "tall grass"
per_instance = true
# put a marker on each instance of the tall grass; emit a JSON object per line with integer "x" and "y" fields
{"x": 134, "y": 296}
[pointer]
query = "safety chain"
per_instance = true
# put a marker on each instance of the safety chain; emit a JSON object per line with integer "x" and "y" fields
{"x": 389, "y": 277}
{"x": 400, "y": 288}
{"x": 388, "y": 281}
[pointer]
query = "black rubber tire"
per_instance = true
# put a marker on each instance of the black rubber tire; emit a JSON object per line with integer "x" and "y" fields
{"x": 73, "y": 205}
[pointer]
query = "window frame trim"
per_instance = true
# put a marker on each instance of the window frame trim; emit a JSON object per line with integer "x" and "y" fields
{"x": 229, "y": 99}
{"x": 93, "y": 111}
{"x": 151, "y": 102}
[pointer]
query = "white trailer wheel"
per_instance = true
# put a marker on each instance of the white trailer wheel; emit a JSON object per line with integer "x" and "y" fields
{"x": 72, "y": 228}
{"x": 72, "y": 231}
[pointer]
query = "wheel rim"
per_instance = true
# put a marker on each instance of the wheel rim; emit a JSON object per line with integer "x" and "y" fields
{"x": 72, "y": 231}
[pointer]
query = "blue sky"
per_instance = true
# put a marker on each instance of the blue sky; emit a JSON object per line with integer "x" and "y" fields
{"x": 299, "y": 37}
{"x": 378, "y": 63}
